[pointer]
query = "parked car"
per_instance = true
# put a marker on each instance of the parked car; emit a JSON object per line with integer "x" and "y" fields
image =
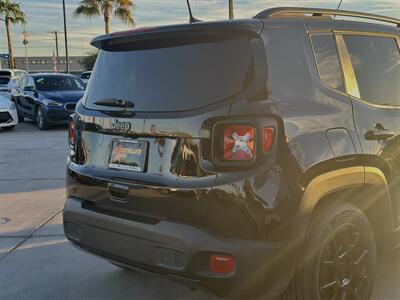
{"x": 10, "y": 79}
{"x": 49, "y": 99}
{"x": 85, "y": 76}
{"x": 8, "y": 114}
{"x": 267, "y": 164}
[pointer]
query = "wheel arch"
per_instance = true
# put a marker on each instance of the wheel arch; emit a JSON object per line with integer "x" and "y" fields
{"x": 37, "y": 105}
{"x": 348, "y": 184}
{"x": 364, "y": 186}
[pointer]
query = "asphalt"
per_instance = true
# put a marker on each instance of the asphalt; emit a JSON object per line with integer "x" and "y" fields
{"x": 37, "y": 262}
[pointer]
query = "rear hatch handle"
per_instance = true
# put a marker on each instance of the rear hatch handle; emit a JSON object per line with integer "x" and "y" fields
{"x": 118, "y": 192}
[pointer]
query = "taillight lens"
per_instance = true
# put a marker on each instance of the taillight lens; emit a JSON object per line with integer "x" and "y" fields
{"x": 222, "y": 264}
{"x": 268, "y": 138}
{"x": 71, "y": 132}
{"x": 239, "y": 143}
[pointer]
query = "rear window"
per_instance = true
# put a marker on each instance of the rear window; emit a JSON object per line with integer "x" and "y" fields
{"x": 176, "y": 78}
{"x": 327, "y": 60}
{"x": 56, "y": 83}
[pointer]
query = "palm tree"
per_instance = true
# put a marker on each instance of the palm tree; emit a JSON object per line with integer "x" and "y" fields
{"x": 12, "y": 14}
{"x": 121, "y": 9}
{"x": 230, "y": 9}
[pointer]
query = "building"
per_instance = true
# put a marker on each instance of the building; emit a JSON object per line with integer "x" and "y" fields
{"x": 38, "y": 64}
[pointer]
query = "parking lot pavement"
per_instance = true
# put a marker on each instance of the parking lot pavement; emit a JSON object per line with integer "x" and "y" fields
{"x": 36, "y": 261}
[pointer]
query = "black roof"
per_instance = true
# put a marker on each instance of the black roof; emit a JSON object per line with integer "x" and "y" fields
{"x": 300, "y": 14}
{"x": 293, "y": 12}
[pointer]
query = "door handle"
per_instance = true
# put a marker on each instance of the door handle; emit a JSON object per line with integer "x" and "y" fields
{"x": 379, "y": 134}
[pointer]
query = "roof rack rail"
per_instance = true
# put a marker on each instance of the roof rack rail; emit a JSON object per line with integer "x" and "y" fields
{"x": 321, "y": 12}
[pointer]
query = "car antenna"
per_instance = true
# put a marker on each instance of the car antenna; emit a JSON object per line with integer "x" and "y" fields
{"x": 340, "y": 3}
{"x": 191, "y": 18}
{"x": 337, "y": 8}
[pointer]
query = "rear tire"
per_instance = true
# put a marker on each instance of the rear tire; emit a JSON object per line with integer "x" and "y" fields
{"x": 40, "y": 118}
{"x": 338, "y": 259}
{"x": 20, "y": 116}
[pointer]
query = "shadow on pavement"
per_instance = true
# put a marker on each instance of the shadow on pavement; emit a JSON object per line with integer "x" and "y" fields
{"x": 50, "y": 268}
{"x": 11, "y": 187}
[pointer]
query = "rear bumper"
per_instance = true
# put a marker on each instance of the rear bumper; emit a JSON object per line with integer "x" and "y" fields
{"x": 172, "y": 249}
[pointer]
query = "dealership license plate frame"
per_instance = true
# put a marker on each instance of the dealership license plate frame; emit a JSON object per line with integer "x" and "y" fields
{"x": 123, "y": 156}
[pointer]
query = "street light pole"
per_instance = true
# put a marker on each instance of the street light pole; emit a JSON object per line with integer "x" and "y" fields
{"x": 66, "y": 38}
{"x": 57, "y": 56}
{"x": 230, "y": 9}
{"x": 25, "y": 42}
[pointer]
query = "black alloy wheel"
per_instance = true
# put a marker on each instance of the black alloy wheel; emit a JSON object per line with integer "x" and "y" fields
{"x": 338, "y": 256}
{"x": 40, "y": 119}
{"x": 344, "y": 269}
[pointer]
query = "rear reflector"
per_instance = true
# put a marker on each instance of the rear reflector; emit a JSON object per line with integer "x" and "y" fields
{"x": 239, "y": 143}
{"x": 71, "y": 132}
{"x": 222, "y": 264}
{"x": 268, "y": 138}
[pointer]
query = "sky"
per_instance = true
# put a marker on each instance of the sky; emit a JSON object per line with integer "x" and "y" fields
{"x": 44, "y": 16}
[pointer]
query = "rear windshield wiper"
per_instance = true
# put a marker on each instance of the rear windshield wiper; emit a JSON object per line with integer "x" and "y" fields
{"x": 115, "y": 102}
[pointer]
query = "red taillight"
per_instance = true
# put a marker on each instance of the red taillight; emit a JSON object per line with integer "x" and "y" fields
{"x": 222, "y": 264}
{"x": 239, "y": 143}
{"x": 268, "y": 138}
{"x": 71, "y": 132}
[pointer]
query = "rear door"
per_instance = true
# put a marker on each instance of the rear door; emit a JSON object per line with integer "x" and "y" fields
{"x": 372, "y": 71}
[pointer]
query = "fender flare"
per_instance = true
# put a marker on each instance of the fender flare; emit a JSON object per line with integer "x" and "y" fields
{"x": 320, "y": 187}
{"x": 337, "y": 180}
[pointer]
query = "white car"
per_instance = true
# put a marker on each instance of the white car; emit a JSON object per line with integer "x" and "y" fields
{"x": 9, "y": 80}
{"x": 8, "y": 114}
{"x": 85, "y": 76}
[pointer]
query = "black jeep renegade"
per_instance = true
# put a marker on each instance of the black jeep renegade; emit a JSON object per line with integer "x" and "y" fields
{"x": 250, "y": 157}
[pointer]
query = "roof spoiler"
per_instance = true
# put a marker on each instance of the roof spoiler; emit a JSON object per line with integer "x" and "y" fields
{"x": 151, "y": 33}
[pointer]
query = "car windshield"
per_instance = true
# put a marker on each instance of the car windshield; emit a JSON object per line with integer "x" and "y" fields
{"x": 55, "y": 83}
{"x": 5, "y": 73}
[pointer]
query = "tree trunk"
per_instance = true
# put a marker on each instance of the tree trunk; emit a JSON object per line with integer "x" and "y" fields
{"x": 10, "y": 50}
{"x": 107, "y": 22}
{"x": 230, "y": 9}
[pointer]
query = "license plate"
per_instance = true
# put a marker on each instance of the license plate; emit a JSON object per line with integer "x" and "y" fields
{"x": 128, "y": 155}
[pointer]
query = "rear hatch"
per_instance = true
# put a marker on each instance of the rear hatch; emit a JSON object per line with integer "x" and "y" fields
{"x": 142, "y": 142}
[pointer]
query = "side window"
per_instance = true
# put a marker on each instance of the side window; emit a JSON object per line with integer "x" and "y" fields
{"x": 376, "y": 63}
{"x": 23, "y": 81}
{"x": 326, "y": 57}
{"x": 30, "y": 82}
